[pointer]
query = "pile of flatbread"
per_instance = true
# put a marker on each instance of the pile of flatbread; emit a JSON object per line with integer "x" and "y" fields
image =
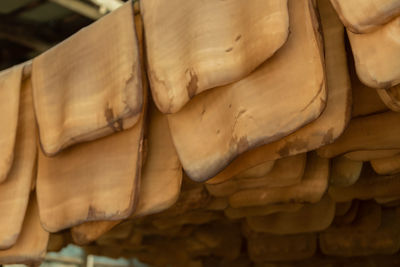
{"x": 209, "y": 133}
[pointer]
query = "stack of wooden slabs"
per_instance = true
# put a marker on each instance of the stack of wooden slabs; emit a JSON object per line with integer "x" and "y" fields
{"x": 311, "y": 188}
{"x": 344, "y": 171}
{"x": 376, "y": 54}
{"x": 391, "y": 97}
{"x": 15, "y": 190}
{"x": 386, "y": 166}
{"x": 286, "y": 172}
{"x": 160, "y": 180}
{"x": 10, "y": 84}
{"x": 194, "y": 46}
{"x": 310, "y": 218}
{"x": 384, "y": 240}
{"x": 370, "y": 185}
{"x": 233, "y": 118}
{"x": 375, "y": 132}
{"x": 83, "y": 183}
{"x": 236, "y": 213}
{"x": 94, "y": 86}
{"x": 332, "y": 122}
{"x": 31, "y": 245}
{"x": 361, "y": 16}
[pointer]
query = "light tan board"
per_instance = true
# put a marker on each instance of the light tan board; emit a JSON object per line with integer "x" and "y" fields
{"x": 375, "y": 132}
{"x": 332, "y": 122}
{"x": 233, "y": 118}
{"x": 102, "y": 58}
{"x": 368, "y": 155}
{"x": 31, "y": 244}
{"x": 361, "y": 16}
{"x": 370, "y": 185}
{"x": 391, "y": 97}
{"x": 162, "y": 171}
{"x": 287, "y": 171}
{"x": 83, "y": 183}
{"x": 254, "y": 172}
{"x": 384, "y": 241}
{"x": 386, "y": 166}
{"x": 193, "y": 46}
{"x": 10, "y": 84}
{"x": 265, "y": 247}
{"x": 14, "y": 191}
{"x": 310, "y": 218}
{"x": 310, "y": 189}
{"x": 376, "y": 55}
{"x": 160, "y": 180}
{"x": 344, "y": 172}
{"x": 233, "y": 213}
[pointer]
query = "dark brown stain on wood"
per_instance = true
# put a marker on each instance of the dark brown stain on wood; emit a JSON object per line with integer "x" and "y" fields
{"x": 192, "y": 86}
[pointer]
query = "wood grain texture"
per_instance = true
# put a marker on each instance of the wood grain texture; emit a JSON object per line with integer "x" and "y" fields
{"x": 334, "y": 119}
{"x": 15, "y": 190}
{"x": 194, "y": 46}
{"x": 82, "y": 183}
{"x": 375, "y": 132}
{"x": 310, "y": 190}
{"x": 361, "y": 16}
{"x": 94, "y": 86}
{"x": 233, "y": 119}
{"x": 236, "y": 213}
{"x": 287, "y": 171}
{"x": 375, "y": 55}
{"x": 31, "y": 245}
{"x": 10, "y": 87}
{"x": 367, "y": 155}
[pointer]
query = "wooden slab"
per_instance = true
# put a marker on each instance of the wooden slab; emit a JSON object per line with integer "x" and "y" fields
{"x": 266, "y": 247}
{"x": 31, "y": 245}
{"x": 196, "y": 217}
{"x": 342, "y": 208}
{"x": 103, "y": 58}
{"x": 194, "y": 46}
{"x": 385, "y": 240}
{"x": 254, "y": 172}
{"x": 309, "y": 190}
{"x": 14, "y": 191}
{"x": 332, "y": 122}
{"x": 374, "y": 132}
{"x": 391, "y": 97}
{"x": 370, "y": 185}
{"x": 344, "y": 172}
{"x": 386, "y": 166}
{"x": 368, "y": 155}
{"x": 368, "y": 219}
{"x": 10, "y": 87}
{"x": 162, "y": 172}
{"x": 160, "y": 180}
{"x": 374, "y": 53}
{"x": 309, "y": 218}
{"x": 360, "y": 16}
{"x": 234, "y": 119}
{"x": 85, "y": 184}
{"x": 366, "y": 100}
{"x": 287, "y": 171}
{"x": 236, "y": 213}
{"x": 349, "y": 216}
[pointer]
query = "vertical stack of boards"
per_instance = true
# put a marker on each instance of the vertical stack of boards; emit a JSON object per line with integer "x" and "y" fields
{"x": 209, "y": 133}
